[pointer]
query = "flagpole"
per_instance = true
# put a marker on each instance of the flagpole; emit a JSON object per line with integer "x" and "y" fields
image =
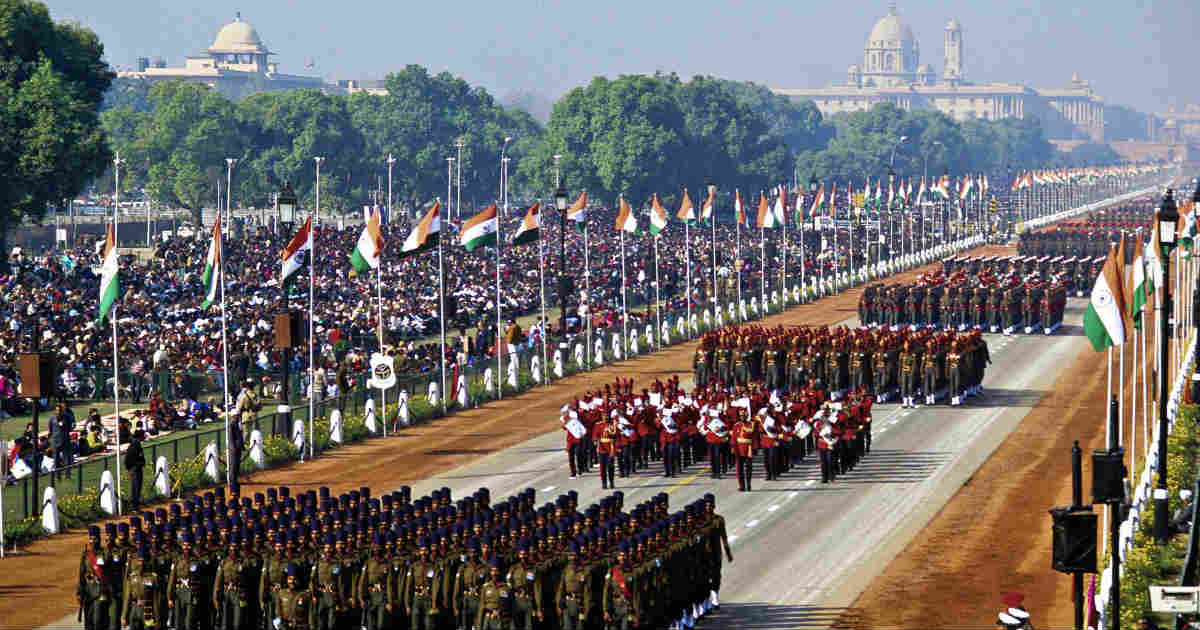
{"x": 587, "y": 288}
{"x": 803, "y": 260}
{"x": 687, "y": 295}
{"x": 762, "y": 272}
{"x": 379, "y": 329}
{"x": 500, "y": 349}
{"x": 712, "y": 217}
{"x": 624, "y": 290}
{"x": 113, "y": 314}
{"x": 229, "y": 462}
{"x": 737, "y": 256}
{"x": 657, "y": 295}
{"x": 312, "y": 273}
{"x": 1108, "y": 440}
{"x": 542, "y": 291}
{"x": 837, "y": 264}
{"x": 850, "y": 251}
{"x": 784, "y": 277}
{"x": 442, "y": 288}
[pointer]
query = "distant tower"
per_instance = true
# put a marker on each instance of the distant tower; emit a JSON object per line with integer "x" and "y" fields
{"x": 953, "y": 73}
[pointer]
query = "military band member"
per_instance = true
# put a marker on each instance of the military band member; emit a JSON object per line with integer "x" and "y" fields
{"x": 742, "y": 442}
{"x": 375, "y": 586}
{"x": 620, "y": 601}
{"x": 495, "y": 601}
{"x": 93, "y": 591}
{"x": 142, "y": 609}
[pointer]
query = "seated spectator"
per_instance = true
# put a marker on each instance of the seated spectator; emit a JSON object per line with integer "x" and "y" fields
{"x": 95, "y": 439}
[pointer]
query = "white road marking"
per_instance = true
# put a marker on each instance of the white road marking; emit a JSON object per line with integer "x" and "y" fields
{"x": 752, "y": 523}
{"x": 792, "y": 495}
{"x": 810, "y": 482}
{"x": 733, "y": 538}
{"x": 773, "y": 508}
{"x": 548, "y": 488}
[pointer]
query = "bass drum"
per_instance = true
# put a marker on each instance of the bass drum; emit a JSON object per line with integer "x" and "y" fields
{"x": 803, "y": 430}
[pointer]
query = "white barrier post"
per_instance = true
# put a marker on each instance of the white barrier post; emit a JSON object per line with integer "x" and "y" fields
{"x": 108, "y": 497}
{"x": 256, "y": 450}
{"x": 162, "y": 477}
{"x": 211, "y": 467}
{"x": 50, "y": 511}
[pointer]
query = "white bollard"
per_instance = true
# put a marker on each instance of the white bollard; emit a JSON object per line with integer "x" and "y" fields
{"x": 50, "y": 511}
{"x": 535, "y": 369}
{"x": 402, "y": 408}
{"x": 256, "y": 449}
{"x": 434, "y": 394}
{"x": 489, "y": 380}
{"x": 212, "y": 467}
{"x": 108, "y": 493}
{"x": 162, "y": 477}
{"x": 512, "y": 375}
{"x": 370, "y": 421}
{"x": 462, "y": 393}
{"x": 558, "y": 364}
{"x": 335, "y": 425}
{"x": 298, "y": 435}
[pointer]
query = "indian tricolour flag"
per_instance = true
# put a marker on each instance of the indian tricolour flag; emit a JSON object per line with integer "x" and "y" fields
{"x": 626, "y": 221}
{"x": 480, "y": 230}
{"x": 426, "y": 233}
{"x": 1140, "y": 286}
{"x": 297, "y": 250}
{"x": 687, "y": 211}
{"x": 706, "y": 210}
{"x": 530, "y": 226}
{"x": 110, "y": 286}
{"x": 1187, "y": 231}
{"x": 658, "y": 217}
{"x": 766, "y": 218}
{"x": 212, "y": 266}
{"x": 1102, "y": 322}
{"x": 817, "y": 202}
{"x": 370, "y": 243}
{"x": 780, "y": 207}
{"x": 578, "y": 211}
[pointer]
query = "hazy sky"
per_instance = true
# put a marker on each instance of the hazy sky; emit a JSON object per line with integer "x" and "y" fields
{"x": 1136, "y": 52}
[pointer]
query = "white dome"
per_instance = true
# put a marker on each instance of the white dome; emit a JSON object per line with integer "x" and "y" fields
{"x": 237, "y": 36}
{"x": 924, "y": 69}
{"x": 889, "y": 29}
{"x": 853, "y": 68}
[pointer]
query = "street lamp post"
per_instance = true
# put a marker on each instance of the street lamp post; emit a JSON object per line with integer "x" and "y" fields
{"x": 1167, "y": 217}
{"x": 891, "y": 233}
{"x": 560, "y": 203}
{"x": 711, "y": 187}
{"x": 286, "y": 207}
{"x": 458, "y": 177}
{"x": 812, "y": 192}
{"x": 391, "y": 161}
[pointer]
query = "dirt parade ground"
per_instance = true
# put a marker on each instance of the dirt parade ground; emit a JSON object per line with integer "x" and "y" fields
{"x": 980, "y": 545}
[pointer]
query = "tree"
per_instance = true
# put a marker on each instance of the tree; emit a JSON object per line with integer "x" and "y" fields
{"x": 52, "y": 81}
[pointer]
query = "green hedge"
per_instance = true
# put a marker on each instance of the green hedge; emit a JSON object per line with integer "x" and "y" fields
{"x": 1149, "y": 563}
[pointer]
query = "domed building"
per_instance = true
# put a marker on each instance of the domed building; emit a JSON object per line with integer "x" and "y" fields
{"x": 236, "y": 65}
{"x": 891, "y": 71}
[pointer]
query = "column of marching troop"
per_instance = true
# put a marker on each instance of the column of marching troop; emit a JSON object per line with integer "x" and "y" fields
{"x": 322, "y": 562}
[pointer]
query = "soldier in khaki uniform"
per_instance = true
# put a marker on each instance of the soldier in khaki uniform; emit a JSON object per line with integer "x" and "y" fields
{"x": 323, "y": 586}
{"x": 470, "y": 577}
{"x": 142, "y": 609}
{"x": 229, "y": 595}
{"x": 93, "y": 591}
{"x": 620, "y": 588}
{"x": 375, "y": 586}
{"x": 273, "y": 577}
{"x": 495, "y": 601}
{"x": 525, "y": 583}
{"x": 573, "y": 596}
{"x": 419, "y": 585}
{"x": 910, "y": 375}
{"x": 294, "y": 607}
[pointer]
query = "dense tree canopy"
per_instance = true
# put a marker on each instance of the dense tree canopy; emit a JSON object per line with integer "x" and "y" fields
{"x": 52, "y": 81}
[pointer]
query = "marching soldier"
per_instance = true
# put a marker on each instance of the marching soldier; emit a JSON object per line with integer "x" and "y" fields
{"x": 375, "y": 587}
{"x": 742, "y": 442}
{"x": 93, "y": 591}
{"x": 293, "y": 606}
{"x": 573, "y": 593}
{"x": 495, "y": 601}
{"x": 467, "y": 582}
{"x": 910, "y": 370}
{"x": 525, "y": 584}
{"x": 607, "y": 445}
{"x": 273, "y": 578}
{"x": 725, "y": 365}
{"x": 114, "y": 556}
{"x": 142, "y": 608}
{"x": 229, "y": 589}
{"x": 324, "y": 587}
{"x": 700, "y": 366}
{"x": 419, "y": 586}
{"x": 620, "y": 601}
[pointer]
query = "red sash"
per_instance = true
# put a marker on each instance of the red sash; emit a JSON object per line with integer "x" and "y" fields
{"x": 95, "y": 567}
{"x": 619, "y": 578}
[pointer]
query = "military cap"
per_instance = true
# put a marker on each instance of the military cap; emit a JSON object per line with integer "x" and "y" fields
{"x": 284, "y": 492}
{"x": 405, "y": 491}
{"x": 123, "y": 528}
{"x": 329, "y": 539}
{"x": 235, "y": 488}
{"x": 277, "y": 538}
{"x": 573, "y": 547}
{"x": 135, "y": 522}
{"x": 323, "y": 492}
{"x": 377, "y": 539}
{"x": 494, "y": 562}
{"x": 364, "y": 492}
{"x": 271, "y": 493}
{"x": 293, "y": 570}
{"x": 259, "y": 498}
{"x": 94, "y": 531}
{"x": 174, "y": 509}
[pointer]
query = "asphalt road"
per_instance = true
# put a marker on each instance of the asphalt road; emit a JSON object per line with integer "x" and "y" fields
{"x": 803, "y": 550}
